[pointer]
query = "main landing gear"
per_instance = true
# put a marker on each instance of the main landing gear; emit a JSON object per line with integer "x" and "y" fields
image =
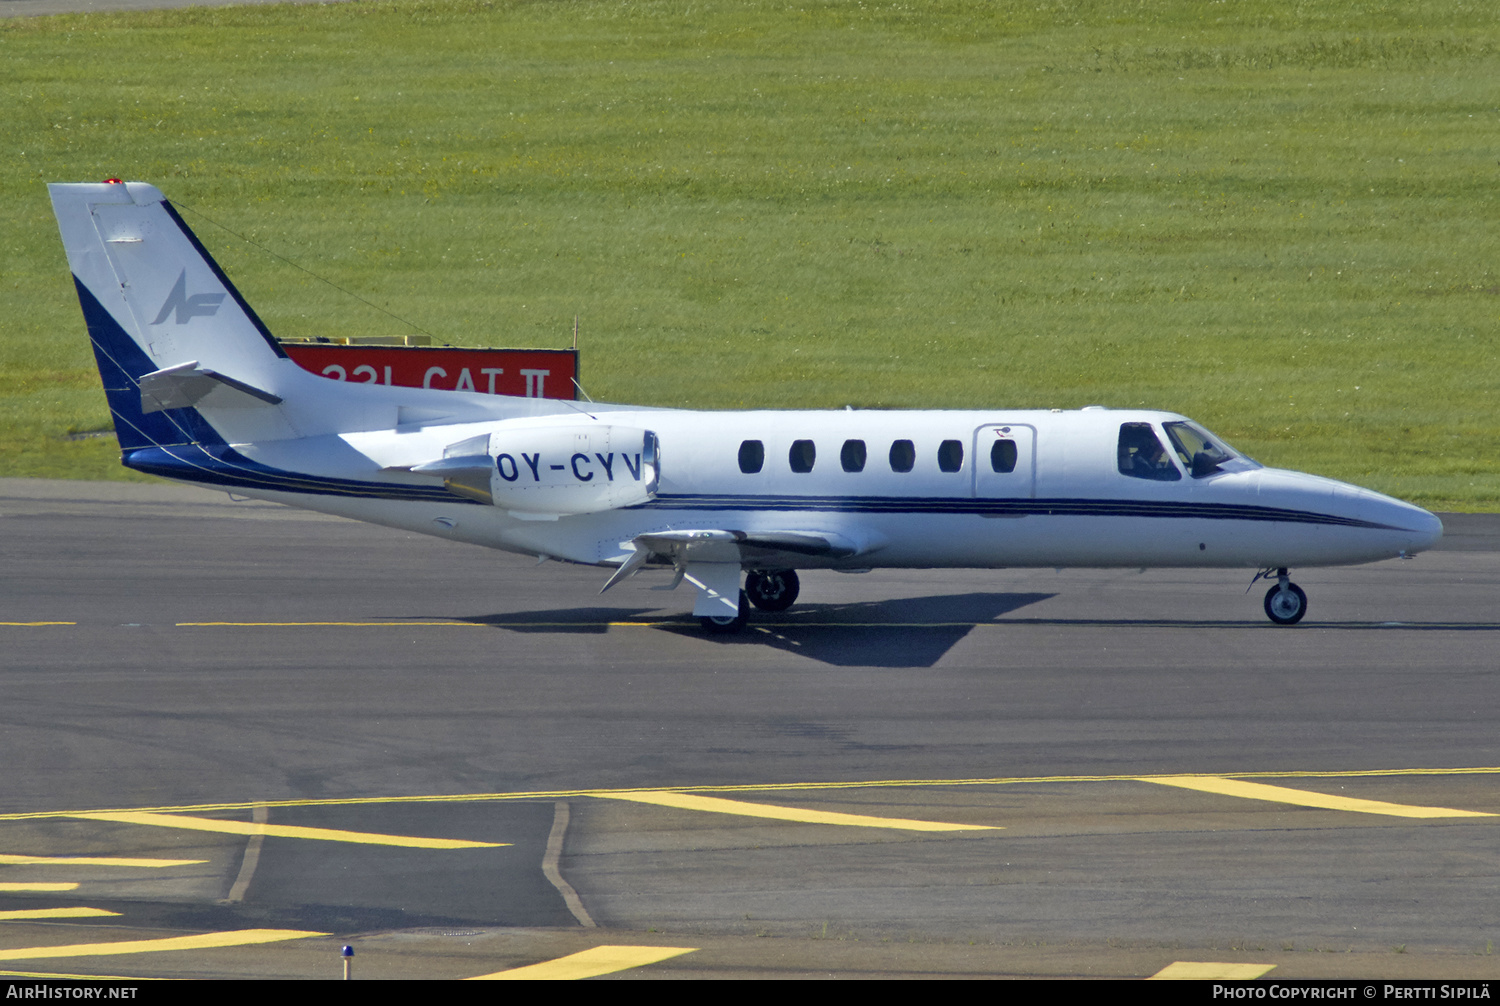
{"x": 724, "y": 625}
{"x": 1285, "y": 602}
{"x": 773, "y": 591}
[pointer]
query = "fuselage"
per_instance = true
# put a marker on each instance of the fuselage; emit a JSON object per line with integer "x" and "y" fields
{"x": 1063, "y": 502}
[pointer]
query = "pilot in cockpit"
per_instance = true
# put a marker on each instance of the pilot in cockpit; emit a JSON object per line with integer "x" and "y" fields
{"x": 1142, "y": 455}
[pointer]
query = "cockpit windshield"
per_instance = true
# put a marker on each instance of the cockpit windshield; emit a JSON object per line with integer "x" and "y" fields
{"x": 1202, "y": 453}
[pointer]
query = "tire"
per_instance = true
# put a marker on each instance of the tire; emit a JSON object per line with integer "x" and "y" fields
{"x": 773, "y": 591}
{"x": 727, "y": 625}
{"x": 1286, "y": 606}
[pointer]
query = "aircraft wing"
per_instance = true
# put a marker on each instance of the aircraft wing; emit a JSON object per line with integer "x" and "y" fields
{"x": 743, "y": 548}
{"x": 747, "y": 546}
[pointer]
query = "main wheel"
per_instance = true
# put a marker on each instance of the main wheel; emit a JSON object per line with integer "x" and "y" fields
{"x": 1286, "y": 605}
{"x": 723, "y": 626}
{"x": 773, "y": 591}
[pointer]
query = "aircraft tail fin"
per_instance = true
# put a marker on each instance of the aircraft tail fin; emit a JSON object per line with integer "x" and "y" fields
{"x": 168, "y": 328}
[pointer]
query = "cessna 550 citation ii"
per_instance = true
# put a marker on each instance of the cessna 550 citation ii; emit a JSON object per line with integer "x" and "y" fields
{"x": 202, "y": 393}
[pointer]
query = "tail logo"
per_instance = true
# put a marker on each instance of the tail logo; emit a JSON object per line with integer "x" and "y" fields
{"x": 199, "y": 305}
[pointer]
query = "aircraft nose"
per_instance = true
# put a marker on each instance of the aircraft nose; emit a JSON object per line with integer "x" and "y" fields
{"x": 1419, "y": 529}
{"x": 1426, "y": 531}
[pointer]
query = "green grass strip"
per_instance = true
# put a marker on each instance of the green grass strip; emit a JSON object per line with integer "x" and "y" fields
{"x": 1279, "y": 219}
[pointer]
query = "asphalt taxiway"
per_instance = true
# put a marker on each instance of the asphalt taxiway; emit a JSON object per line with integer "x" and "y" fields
{"x": 463, "y": 763}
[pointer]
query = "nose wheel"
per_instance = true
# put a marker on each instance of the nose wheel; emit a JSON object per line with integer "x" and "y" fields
{"x": 1285, "y": 602}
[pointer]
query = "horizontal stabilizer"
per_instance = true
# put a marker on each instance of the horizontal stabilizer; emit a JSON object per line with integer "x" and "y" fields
{"x": 188, "y": 384}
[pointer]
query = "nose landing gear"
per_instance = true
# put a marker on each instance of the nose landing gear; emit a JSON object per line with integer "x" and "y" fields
{"x": 1285, "y": 602}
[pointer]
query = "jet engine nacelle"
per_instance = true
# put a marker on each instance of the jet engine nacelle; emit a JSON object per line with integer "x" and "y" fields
{"x": 551, "y": 471}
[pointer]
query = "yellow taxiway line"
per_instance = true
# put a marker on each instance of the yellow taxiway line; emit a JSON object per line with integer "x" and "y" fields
{"x": 588, "y": 963}
{"x": 717, "y": 805}
{"x": 234, "y": 938}
{"x": 37, "y": 885}
{"x": 785, "y": 787}
{"x": 76, "y": 978}
{"x": 9, "y": 860}
{"x": 282, "y": 830}
{"x": 1201, "y": 970}
{"x": 324, "y": 625}
{"x": 1304, "y": 798}
{"x": 76, "y": 912}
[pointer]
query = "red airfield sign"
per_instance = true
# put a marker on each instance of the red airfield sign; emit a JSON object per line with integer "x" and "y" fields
{"x": 526, "y": 373}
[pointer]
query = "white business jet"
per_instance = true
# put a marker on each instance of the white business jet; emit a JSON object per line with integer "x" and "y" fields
{"x": 202, "y": 393}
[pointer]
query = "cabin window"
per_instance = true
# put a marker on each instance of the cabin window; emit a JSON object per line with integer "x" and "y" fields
{"x": 802, "y": 455}
{"x": 950, "y": 456}
{"x": 752, "y": 456}
{"x": 1003, "y": 456}
{"x": 1142, "y": 455}
{"x": 852, "y": 457}
{"x": 903, "y": 456}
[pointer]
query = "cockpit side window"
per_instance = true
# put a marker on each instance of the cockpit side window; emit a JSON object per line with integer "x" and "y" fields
{"x": 1142, "y": 455}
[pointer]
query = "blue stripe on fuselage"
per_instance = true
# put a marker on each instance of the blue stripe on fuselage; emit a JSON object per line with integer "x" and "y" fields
{"x": 1006, "y": 508}
{"x": 222, "y": 465}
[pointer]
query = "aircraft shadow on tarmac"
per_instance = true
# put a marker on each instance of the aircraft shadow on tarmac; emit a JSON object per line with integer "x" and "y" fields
{"x": 903, "y": 632}
{"x": 908, "y": 632}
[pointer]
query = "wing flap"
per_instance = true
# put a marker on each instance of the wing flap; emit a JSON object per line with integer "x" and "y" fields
{"x": 749, "y": 546}
{"x": 789, "y": 548}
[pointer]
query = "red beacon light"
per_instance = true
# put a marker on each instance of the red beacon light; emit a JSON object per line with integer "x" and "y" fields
{"x": 113, "y": 181}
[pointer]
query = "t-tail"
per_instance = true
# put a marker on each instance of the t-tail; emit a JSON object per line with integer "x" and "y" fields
{"x": 190, "y": 371}
{"x": 170, "y": 332}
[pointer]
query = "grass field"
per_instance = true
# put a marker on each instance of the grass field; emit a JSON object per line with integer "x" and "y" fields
{"x": 1278, "y": 218}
